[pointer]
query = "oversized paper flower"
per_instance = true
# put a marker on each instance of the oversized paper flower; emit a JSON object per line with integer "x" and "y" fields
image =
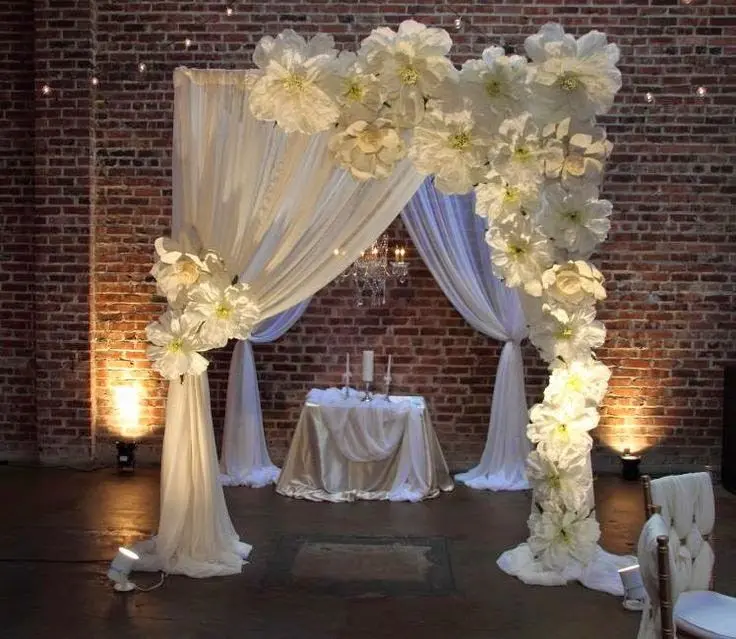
{"x": 567, "y": 334}
{"x": 359, "y": 92}
{"x": 226, "y": 312}
{"x": 452, "y": 147}
{"x": 368, "y": 150}
{"x": 496, "y": 84}
{"x": 559, "y": 536}
{"x": 575, "y": 220}
{"x": 175, "y": 344}
{"x": 179, "y": 266}
{"x": 572, "y": 77}
{"x": 576, "y": 153}
{"x": 555, "y": 426}
{"x": 294, "y": 87}
{"x": 519, "y": 255}
{"x": 518, "y": 154}
{"x": 586, "y": 377}
{"x": 411, "y": 64}
{"x": 564, "y": 480}
{"x": 502, "y": 202}
{"x": 573, "y": 284}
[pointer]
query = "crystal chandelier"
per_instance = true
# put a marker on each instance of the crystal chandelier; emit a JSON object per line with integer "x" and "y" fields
{"x": 370, "y": 272}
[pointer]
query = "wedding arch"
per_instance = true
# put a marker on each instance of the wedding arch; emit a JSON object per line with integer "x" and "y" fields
{"x": 283, "y": 174}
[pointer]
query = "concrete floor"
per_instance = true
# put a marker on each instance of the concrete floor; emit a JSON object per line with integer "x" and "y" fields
{"x": 61, "y": 528}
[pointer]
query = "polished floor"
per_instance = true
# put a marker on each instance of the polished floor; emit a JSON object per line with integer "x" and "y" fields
{"x": 60, "y": 528}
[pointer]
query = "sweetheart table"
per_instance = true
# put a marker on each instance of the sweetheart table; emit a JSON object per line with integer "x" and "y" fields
{"x": 345, "y": 449}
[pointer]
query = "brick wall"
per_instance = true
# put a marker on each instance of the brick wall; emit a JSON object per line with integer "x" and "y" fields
{"x": 669, "y": 260}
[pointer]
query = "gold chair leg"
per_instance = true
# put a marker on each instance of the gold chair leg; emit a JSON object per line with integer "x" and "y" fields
{"x": 665, "y": 589}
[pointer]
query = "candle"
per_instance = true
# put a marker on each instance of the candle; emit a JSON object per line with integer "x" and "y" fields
{"x": 347, "y": 367}
{"x": 388, "y": 370}
{"x": 367, "y": 366}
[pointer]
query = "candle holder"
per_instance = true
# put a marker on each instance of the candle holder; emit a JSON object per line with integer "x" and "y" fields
{"x": 630, "y": 465}
{"x": 126, "y": 456}
{"x": 368, "y": 395}
{"x": 346, "y": 389}
{"x": 387, "y": 387}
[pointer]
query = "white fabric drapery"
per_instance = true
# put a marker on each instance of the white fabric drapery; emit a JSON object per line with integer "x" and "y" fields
{"x": 276, "y": 208}
{"x": 450, "y": 238}
{"x": 244, "y": 459}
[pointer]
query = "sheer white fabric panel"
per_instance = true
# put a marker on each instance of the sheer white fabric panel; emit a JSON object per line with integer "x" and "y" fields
{"x": 244, "y": 459}
{"x": 276, "y": 208}
{"x": 451, "y": 240}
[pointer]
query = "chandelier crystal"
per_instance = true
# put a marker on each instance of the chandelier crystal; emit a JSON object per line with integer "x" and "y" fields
{"x": 370, "y": 272}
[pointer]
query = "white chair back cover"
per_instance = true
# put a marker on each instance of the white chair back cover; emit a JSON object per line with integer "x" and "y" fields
{"x": 687, "y": 517}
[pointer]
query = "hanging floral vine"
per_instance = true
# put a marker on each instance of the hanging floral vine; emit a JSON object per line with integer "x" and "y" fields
{"x": 519, "y": 131}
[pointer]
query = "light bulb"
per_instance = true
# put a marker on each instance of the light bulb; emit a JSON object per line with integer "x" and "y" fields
{"x": 187, "y": 43}
{"x": 229, "y": 11}
{"x": 458, "y": 23}
{"x": 701, "y": 91}
{"x": 142, "y": 67}
{"x": 46, "y": 89}
{"x": 94, "y": 81}
{"x": 336, "y": 252}
{"x": 649, "y": 97}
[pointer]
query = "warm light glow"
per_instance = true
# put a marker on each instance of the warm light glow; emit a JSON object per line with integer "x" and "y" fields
{"x": 142, "y": 67}
{"x": 128, "y": 553}
{"x": 701, "y": 91}
{"x": 128, "y": 410}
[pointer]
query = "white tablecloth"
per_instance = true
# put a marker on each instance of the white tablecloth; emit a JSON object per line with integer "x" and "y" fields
{"x": 346, "y": 449}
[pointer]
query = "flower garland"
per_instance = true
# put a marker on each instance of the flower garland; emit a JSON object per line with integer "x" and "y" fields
{"x": 522, "y": 133}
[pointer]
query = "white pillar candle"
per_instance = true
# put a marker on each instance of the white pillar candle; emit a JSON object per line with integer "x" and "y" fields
{"x": 388, "y": 369}
{"x": 367, "y": 366}
{"x": 347, "y": 365}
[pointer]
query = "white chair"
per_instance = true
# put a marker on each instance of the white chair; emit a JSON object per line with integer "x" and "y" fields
{"x": 676, "y": 561}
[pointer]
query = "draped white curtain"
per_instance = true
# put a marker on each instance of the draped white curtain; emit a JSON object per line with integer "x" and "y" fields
{"x": 450, "y": 238}
{"x": 244, "y": 459}
{"x": 275, "y": 207}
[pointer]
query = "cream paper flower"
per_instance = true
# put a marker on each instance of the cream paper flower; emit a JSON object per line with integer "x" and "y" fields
{"x": 572, "y": 77}
{"x": 565, "y": 480}
{"x": 179, "y": 266}
{"x": 496, "y": 84}
{"x": 585, "y": 377}
{"x": 519, "y": 255}
{"x": 294, "y": 87}
{"x": 226, "y": 312}
{"x": 368, "y": 150}
{"x": 175, "y": 344}
{"x": 573, "y": 283}
{"x": 359, "y": 92}
{"x": 518, "y": 154}
{"x": 452, "y": 147}
{"x": 411, "y": 64}
{"x": 559, "y": 536}
{"x": 576, "y": 153}
{"x": 559, "y": 425}
{"x": 502, "y": 202}
{"x": 575, "y": 220}
{"x": 567, "y": 334}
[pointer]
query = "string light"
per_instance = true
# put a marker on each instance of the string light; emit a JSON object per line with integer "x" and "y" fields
{"x": 649, "y": 97}
{"x": 94, "y": 81}
{"x": 229, "y": 11}
{"x": 701, "y": 91}
{"x": 46, "y": 89}
{"x": 142, "y": 67}
{"x": 187, "y": 43}
{"x": 458, "y": 23}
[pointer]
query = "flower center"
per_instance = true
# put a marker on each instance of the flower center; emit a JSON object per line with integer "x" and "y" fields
{"x": 460, "y": 141}
{"x": 516, "y": 251}
{"x": 511, "y": 194}
{"x": 575, "y": 384}
{"x": 573, "y": 216}
{"x": 564, "y": 535}
{"x": 223, "y": 311}
{"x": 522, "y": 154}
{"x": 569, "y": 82}
{"x": 564, "y": 333}
{"x": 554, "y": 482}
{"x": 562, "y": 430}
{"x": 493, "y": 88}
{"x": 176, "y": 345}
{"x": 409, "y": 75}
{"x": 294, "y": 82}
{"x": 355, "y": 92}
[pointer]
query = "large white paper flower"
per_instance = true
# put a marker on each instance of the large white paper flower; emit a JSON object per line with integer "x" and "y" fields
{"x": 576, "y": 220}
{"x": 368, "y": 150}
{"x": 573, "y": 284}
{"x": 518, "y": 154}
{"x": 556, "y": 426}
{"x": 452, "y": 147}
{"x": 502, "y": 202}
{"x": 572, "y": 77}
{"x": 576, "y": 153}
{"x": 567, "y": 334}
{"x": 586, "y": 377}
{"x": 227, "y": 312}
{"x": 359, "y": 92}
{"x": 559, "y": 536}
{"x": 179, "y": 266}
{"x": 411, "y": 64}
{"x": 519, "y": 254}
{"x": 496, "y": 84}
{"x": 294, "y": 88}
{"x": 175, "y": 344}
{"x": 565, "y": 480}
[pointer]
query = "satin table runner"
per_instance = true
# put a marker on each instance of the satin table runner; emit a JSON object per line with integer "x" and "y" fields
{"x": 345, "y": 449}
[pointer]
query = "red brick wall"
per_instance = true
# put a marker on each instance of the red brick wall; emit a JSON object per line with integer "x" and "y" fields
{"x": 669, "y": 259}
